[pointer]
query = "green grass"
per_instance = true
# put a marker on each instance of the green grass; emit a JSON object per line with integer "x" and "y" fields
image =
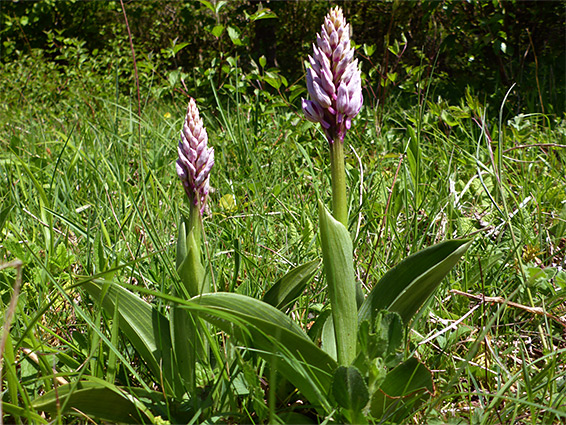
{"x": 89, "y": 189}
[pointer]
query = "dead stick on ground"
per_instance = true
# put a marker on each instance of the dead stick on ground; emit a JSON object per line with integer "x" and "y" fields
{"x": 500, "y": 300}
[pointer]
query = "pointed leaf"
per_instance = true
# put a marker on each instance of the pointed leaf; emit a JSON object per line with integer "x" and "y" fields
{"x": 407, "y": 286}
{"x": 234, "y": 35}
{"x": 190, "y": 268}
{"x": 407, "y": 378}
{"x": 181, "y": 243}
{"x": 262, "y": 14}
{"x": 402, "y": 391}
{"x": 183, "y": 338}
{"x": 287, "y": 289}
{"x": 208, "y": 4}
{"x": 217, "y": 30}
{"x": 277, "y": 338}
{"x": 328, "y": 337}
{"x": 145, "y": 327}
{"x": 337, "y": 253}
{"x": 104, "y": 402}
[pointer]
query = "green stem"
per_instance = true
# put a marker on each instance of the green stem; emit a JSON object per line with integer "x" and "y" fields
{"x": 195, "y": 222}
{"x": 195, "y": 225}
{"x": 339, "y": 199}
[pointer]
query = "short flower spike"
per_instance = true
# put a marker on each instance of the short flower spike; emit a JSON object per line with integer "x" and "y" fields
{"x": 195, "y": 157}
{"x": 333, "y": 79}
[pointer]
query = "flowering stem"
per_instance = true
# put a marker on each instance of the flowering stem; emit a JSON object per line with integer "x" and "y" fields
{"x": 195, "y": 222}
{"x": 339, "y": 199}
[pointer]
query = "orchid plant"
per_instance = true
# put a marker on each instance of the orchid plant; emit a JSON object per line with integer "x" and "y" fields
{"x": 195, "y": 161}
{"x": 359, "y": 373}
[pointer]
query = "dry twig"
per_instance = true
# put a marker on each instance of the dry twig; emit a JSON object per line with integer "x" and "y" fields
{"x": 539, "y": 311}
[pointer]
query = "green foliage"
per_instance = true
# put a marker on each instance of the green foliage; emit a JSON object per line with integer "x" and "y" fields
{"x": 402, "y": 391}
{"x": 406, "y": 46}
{"x": 145, "y": 327}
{"x": 350, "y": 392}
{"x": 88, "y": 190}
{"x": 404, "y": 288}
{"x": 337, "y": 250}
{"x": 287, "y": 289}
{"x": 95, "y": 398}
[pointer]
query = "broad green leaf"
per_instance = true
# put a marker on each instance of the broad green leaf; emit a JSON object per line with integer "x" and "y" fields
{"x": 94, "y": 399}
{"x": 337, "y": 254}
{"x": 208, "y": 5}
{"x": 407, "y": 286}
{"x": 183, "y": 338}
{"x": 328, "y": 337}
{"x": 186, "y": 330}
{"x": 315, "y": 332}
{"x": 145, "y": 327}
{"x": 234, "y": 35}
{"x": 349, "y": 388}
{"x": 217, "y": 30}
{"x": 407, "y": 378}
{"x": 261, "y": 14}
{"x": 289, "y": 287}
{"x": 272, "y": 79}
{"x": 277, "y": 338}
{"x": 178, "y": 47}
{"x": 402, "y": 391}
{"x": 188, "y": 255}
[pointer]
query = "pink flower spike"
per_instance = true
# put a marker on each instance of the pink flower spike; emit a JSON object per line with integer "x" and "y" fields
{"x": 195, "y": 157}
{"x": 333, "y": 78}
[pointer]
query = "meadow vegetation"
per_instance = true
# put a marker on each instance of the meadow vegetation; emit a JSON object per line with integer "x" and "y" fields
{"x": 445, "y": 147}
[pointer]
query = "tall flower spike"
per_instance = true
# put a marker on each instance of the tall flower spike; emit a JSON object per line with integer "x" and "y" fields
{"x": 195, "y": 158}
{"x": 333, "y": 79}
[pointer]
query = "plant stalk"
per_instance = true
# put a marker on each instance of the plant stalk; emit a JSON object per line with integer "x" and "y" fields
{"x": 195, "y": 222}
{"x": 339, "y": 198}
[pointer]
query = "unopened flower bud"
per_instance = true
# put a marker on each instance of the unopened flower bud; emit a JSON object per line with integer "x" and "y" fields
{"x": 195, "y": 157}
{"x": 333, "y": 79}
